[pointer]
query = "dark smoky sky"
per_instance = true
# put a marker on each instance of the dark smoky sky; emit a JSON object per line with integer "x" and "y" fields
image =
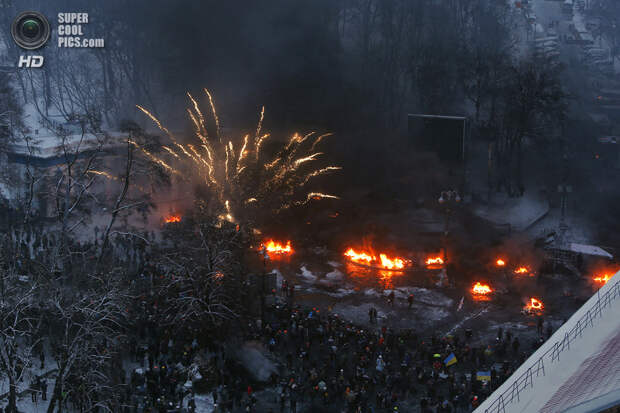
{"x": 278, "y": 53}
{"x": 311, "y": 73}
{"x": 247, "y": 53}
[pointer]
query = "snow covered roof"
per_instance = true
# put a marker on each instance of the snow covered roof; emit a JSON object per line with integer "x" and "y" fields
{"x": 589, "y": 250}
{"x": 47, "y": 150}
{"x": 576, "y": 370}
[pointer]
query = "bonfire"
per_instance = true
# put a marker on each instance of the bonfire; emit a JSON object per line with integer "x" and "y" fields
{"x": 172, "y": 218}
{"x": 481, "y": 289}
{"x": 383, "y": 261}
{"x": 522, "y": 270}
{"x": 277, "y": 248}
{"x": 434, "y": 262}
{"x": 602, "y": 279}
{"x": 534, "y": 305}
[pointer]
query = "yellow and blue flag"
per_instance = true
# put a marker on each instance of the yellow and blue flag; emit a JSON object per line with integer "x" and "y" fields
{"x": 450, "y": 360}
{"x": 483, "y": 376}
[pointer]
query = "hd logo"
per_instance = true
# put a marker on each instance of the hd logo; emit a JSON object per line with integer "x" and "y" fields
{"x": 30, "y": 61}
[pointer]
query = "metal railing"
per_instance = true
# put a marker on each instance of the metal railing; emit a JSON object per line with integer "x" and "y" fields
{"x": 526, "y": 379}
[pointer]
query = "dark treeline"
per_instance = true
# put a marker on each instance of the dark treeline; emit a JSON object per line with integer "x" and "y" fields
{"x": 355, "y": 67}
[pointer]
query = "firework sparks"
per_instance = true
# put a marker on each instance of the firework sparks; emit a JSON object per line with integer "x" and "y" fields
{"x": 103, "y": 173}
{"x": 243, "y": 176}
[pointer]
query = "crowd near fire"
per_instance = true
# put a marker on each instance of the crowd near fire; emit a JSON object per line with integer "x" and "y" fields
{"x": 365, "y": 206}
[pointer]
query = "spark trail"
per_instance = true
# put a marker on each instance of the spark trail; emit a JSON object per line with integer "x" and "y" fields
{"x": 238, "y": 172}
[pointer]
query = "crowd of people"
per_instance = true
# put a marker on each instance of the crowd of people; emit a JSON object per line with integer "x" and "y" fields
{"x": 323, "y": 363}
{"x": 330, "y": 364}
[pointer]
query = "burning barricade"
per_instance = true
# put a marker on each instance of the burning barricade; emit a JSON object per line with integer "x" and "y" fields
{"x": 380, "y": 261}
{"x": 434, "y": 262}
{"x": 481, "y": 292}
{"x": 277, "y": 249}
{"x": 523, "y": 271}
{"x": 601, "y": 279}
{"x": 172, "y": 218}
{"x": 534, "y": 306}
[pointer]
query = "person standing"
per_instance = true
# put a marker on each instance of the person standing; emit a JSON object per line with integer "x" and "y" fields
{"x": 43, "y": 389}
{"x": 410, "y": 300}
{"x": 33, "y": 391}
{"x": 539, "y": 326}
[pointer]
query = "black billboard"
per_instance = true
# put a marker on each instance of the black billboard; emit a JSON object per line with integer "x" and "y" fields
{"x": 442, "y": 135}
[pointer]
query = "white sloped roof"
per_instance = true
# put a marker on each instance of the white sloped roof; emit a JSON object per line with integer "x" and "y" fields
{"x": 576, "y": 370}
{"x": 590, "y": 250}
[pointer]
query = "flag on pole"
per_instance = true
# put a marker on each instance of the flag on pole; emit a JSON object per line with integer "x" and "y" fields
{"x": 450, "y": 360}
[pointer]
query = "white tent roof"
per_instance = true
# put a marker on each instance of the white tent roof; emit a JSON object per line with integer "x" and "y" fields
{"x": 576, "y": 370}
{"x": 590, "y": 250}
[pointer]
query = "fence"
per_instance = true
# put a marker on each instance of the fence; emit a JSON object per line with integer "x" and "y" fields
{"x": 526, "y": 380}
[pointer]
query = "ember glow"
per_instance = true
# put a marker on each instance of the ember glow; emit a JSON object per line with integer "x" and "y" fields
{"x": 172, "y": 218}
{"x": 500, "y": 262}
{"x": 434, "y": 261}
{"x": 384, "y": 262}
{"x": 522, "y": 270}
{"x": 534, "y": 305}
{"x": 240, "y": 176}
{"x": 481, "y": 289}
{"x": 274, "y": 247}
{"x": 602, "y": 279}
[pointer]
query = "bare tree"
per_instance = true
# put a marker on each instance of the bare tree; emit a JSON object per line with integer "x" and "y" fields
{"x": 202, "y": 272}
{"x": 18, "y": 322}
{"x": 86, "y": 325}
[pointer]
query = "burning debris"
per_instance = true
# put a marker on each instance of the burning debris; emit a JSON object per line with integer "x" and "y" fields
{"x": 534, "y": 305}
{"x": 480, "y": 289}
{"x": 172, "y": 219}
{"x": 277, "y": 248}
{"x": 602, "y": 279}
{"x": 383, "y": 262}
{"x": 434, "y": 262}
{"x": 523, "y": 271}
{"x": 237, "y": 172}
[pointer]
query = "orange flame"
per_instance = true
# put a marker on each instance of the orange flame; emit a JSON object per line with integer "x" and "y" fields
{"x": 522, "y": 270}
{"x": 500, "y": 262}
{"x": 277, "y": 248}
{"x": 434, "y": 261}
{"x": 172, "y": 218}
{"x": 391, "y": 264}
{"x": 482, "y": 289}
{"x": 359, "y": 257}
{"x": 384, "y": 261}
{"x": 602, "y": 279}
{"x": 534, "y": 304}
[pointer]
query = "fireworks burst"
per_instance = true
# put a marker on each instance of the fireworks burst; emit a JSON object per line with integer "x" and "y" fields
{"x": 239, "y": 173}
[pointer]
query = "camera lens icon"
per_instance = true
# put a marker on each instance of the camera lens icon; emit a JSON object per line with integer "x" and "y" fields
{"x": 30, "y": 30}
